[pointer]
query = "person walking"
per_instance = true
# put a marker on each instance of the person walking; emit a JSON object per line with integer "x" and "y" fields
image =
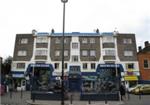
{"x": 122, "y": 92}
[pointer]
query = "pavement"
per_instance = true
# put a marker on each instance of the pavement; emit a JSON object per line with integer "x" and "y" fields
{"x": 37, "y": 102}
{"x": 18, "y": 98}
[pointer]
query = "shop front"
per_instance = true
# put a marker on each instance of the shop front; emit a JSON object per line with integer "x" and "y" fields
{"x": 39, "y": 76}
{"x": 89, "y": 82}
{"x": 19, "y": 82}
{"x": 108, "y": 77}
{"x": 74, "y": 79}
{"x": 102, "y": 84}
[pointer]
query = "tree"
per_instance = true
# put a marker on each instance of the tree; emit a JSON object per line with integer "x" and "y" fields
{"x": 6, "y": 66}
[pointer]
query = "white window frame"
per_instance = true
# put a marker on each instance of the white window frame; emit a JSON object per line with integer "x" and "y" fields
{"x": 65, "y": 65}
{"x": 24, "y": 41}
{"x": 108, "y": 39}
{"x": 94, "y": 66}
{"x": 85, "y": 40}
{"x": 147, "y": 63}
{"x": 85, "y": 64}
{"x": 57, "y": 53}
{"x": 41, "y": 39}
{"x": 92, "y": 52}
{"x": 57, "y": 40}
{"x": 110, "y": 52}
{"x": 75, "y": 58}
{"x": 75, "y": 45}
{"x": 41, "y": 52}
{"x": 19, "y": 65}
{"x": 127, "y": 65}
{"x": 22, "y": 53}
{"x": 128, "y": 53}
{"x": 84, "y": 53}
{"x": 127, "y": 41}
{"x": 56, "y": 67}
{"x": 92, "y": 40}
{"x": 65, "y": 40}
{"x": 66, "y": 53}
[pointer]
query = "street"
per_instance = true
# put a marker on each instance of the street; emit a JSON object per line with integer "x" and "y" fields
{"x": 137, "y": 100}
{"x": 19, "y": 98}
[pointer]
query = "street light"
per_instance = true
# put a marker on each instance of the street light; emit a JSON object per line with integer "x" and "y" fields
{"x": 62, "y": 76}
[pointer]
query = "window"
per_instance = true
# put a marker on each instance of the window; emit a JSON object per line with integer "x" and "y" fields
{"x": 127, "y": 41}
{"x": 84, "y": 53}
{"x": 92, "y": 65}
{"x": 84, "y": 40}
{"x": 84, "y": 65}
{"x": 75, "y": 58}
{"x": 110, "y": 52}
{"x": 65, "y": 66}
{"x": 130, "y": 66}
{"x": 41, "y": 62}
{"x": 22, "y": 53}
{"x": 66, "y": 53}
{"x": 57, "y": 40}
{"x": 128, "y": 53}
{"x": 57, "y": 53}
{"x": 24, "y": 41}
{"x": 66, "y": 40}
{"x": 75, "y": 45}
{"x": 92, "y": 53}
{"x": 41, "y": 40}
{"x": 20, "y": 65}
{"x": 92, "y": 40}
{"x": 146, "y": 64}
{"x": 108, "y": 39}
{"x": 41, "y": 52}
{"x": 56, "y": 65}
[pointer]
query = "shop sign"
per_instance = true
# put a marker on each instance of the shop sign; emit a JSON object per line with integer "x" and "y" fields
{"x": 131, "y": 78}
{"x": 109, "y": 65}
{"x": 39, "y": 65}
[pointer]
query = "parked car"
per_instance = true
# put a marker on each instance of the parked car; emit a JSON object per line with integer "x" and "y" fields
{"x": 2, "y": 89}
{"x": 130, "y": 90}
{"x": 143, "y": 89}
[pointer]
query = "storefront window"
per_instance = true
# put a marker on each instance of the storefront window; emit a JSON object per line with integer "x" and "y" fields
{"x": 106, "y": 80}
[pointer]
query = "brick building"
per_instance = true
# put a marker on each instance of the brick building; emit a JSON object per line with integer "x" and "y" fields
{"x": 144, "y": 61}
{"x": 88, "y": 57}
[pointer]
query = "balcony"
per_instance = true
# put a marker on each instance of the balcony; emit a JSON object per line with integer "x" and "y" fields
{"x": 108, "y": 45}
{"x": 108, "y": 57}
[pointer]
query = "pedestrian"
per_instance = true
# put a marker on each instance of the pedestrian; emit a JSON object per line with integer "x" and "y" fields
{"x": 16, "y": 84}
{"x": 122, "y": 92}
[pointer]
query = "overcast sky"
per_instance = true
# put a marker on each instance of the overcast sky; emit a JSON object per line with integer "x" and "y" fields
{"x": 21, "y": 16}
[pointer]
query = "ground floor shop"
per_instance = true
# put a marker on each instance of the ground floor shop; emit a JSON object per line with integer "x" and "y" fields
{"x": 106, "y": 78}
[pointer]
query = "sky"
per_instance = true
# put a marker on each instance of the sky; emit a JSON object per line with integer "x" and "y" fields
{"x": 22, "y": 16}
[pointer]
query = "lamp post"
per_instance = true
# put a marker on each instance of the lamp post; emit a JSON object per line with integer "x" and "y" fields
{"x": 62, "y": 76}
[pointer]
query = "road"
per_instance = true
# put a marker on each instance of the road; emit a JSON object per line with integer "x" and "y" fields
{"x": 137, "y": 100}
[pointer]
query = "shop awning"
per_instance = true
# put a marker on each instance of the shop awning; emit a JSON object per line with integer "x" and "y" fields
{"x": 130, "y": 78}
{"x": 109, "y": 66}
{"x": 31, "y": 66}
{"x": 17, "y": 74}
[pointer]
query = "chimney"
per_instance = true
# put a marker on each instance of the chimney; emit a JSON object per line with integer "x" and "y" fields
{"x": 34, "y": 31}
{"x": 146, "y": 44}
{"x": 52, "y": 31}
{"x": 97, "y": 30}
{"x": 140, "y": 48}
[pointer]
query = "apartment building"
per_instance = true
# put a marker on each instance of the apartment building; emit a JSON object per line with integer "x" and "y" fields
{"x": 144, "y": 61}
{"x": 88, "y": 58}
